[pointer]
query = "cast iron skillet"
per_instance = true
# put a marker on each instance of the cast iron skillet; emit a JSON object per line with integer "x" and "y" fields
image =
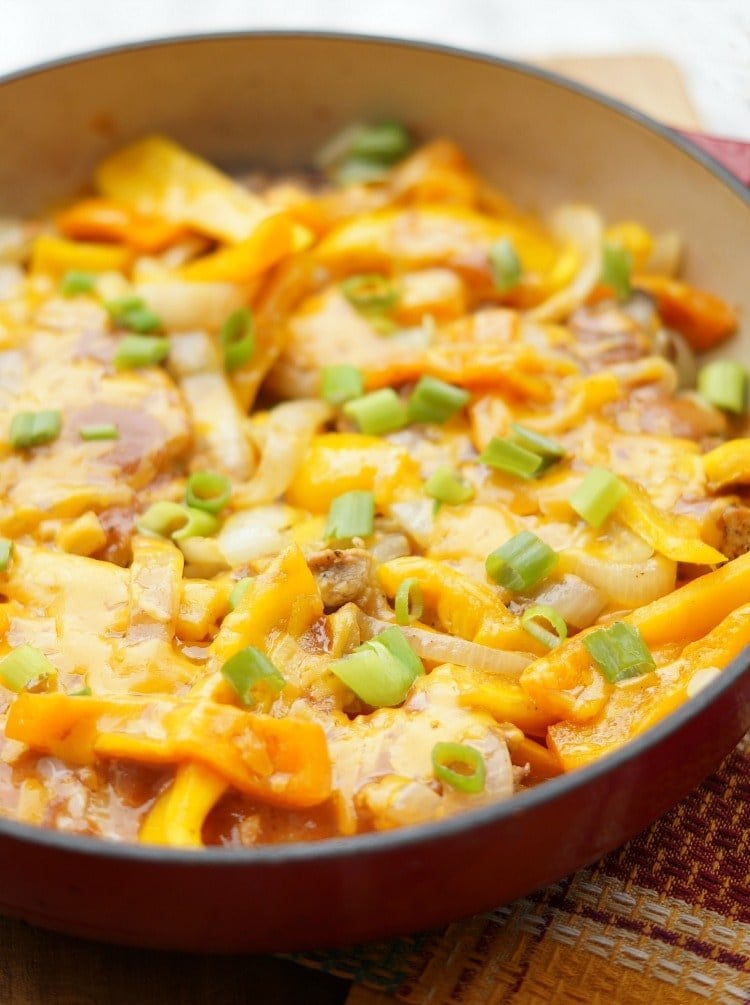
{"x": 271, "y": 99}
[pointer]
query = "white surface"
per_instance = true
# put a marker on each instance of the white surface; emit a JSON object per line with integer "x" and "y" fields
{"x": 709, "y": 40}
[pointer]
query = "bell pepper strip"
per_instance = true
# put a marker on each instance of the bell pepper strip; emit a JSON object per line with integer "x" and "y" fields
{"x": 703, "y": 318}
{"x": 674, "y": 535}
{"x": 505, "y": 700}
{"x": 632, "y": 236}
{"x": 465, "y": 608}
{"x": 176, "y": 819}
{"x": 542, "y": 763}
{"x": 646, "y": 700}
{"x": 568, "y": 685}
{"x": 282, "y": 761}
{"x": 273, "y": 238}
{"x": 157, "y": 177}
{"x": 99, "y": 219}
{"x": 337, "y": 463}
{"x": 55, "y": 256}
{"x": 728, "y": 464}
{"x": 203, "y": 603}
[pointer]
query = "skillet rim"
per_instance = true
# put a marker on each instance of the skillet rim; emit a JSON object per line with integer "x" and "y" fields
{"x": 555, "y": 789}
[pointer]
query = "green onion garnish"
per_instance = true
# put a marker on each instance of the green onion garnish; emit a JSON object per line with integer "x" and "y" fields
{"x": 505, "y": 265}
{"x": 381, "y": 671}
{"x": 76, "y": 281}
{"x": 6, "y": 553}
{"x": 237, "y": 337}
{"x": 32, "y": 429}
{"x": 511, "y": 458}
{"x": 341, "y": 382}
{"x": 597, "y": 496}
{"x": 723, "y": 383}
{"x": 103, "y": 431}
{"x": 134, "y": 351}
{"x": 132, "y": 314}
{"x": 208, "y": 491}
{"x": 83, "y": 692}
{"x": 169, "y": 519}
{"x": 447, "y": 486}
{"x": 25, "y": 666}
{"x": 358, "y": 171}
{"x": 521, "y": 562}
{"x": 408, "y": 603}
{"x": 250, "y": 671}
{"x": 617, "y": 264}
{"x": 378, "y": 412}
{"x": 619, "y": 651}
{"x": 385, "y": 143}
{"x": 435, "y": 401}
{"x": 351, "y": 515}
{"x": 544, "y": 612}
{"x": 460, "y": 766}
{"x": 547, "y": 449}
{"x": 238, "y": 591}
{"x": 370, "y": 293}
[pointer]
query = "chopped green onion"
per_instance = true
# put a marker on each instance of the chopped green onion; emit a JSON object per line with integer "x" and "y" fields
{"x": 23, "y": 667}
{"x": 597, "y": 496}
{"x": 134, "y": 351}
{"x": 169, "y": 519}
{"x": 460, "y": 766}
{"x": 351, "y": 515}
{"x": 358, "y": 171}
{"x": 548, "y": 449}
{"x": 250, "y": 671}
{"x": 238, "y": 591}
{"x": 133, "y": 314}
{"x": 617, "y": 264}
{"x": 446, "y": 486}
{"x": 619, "y": 651}
{"x": 381, "y": 671}
{"x": 6, "y": 553}
{"x": 521, "y": 562}
{"x": 435, "y": 401}
{"x": 341, "y": 382}
{"x": 408, "y": 603}
{"x": 723, "y": 383}
{"x": 83, "y": 692}
{"x": 32, "y": 429}
{"x": 546, "y": 613}
{"x": 237, "y": 337}
{"x": 505, "y": 265}
{"x": 76, "y": 281}
{"x": 384, "y": 143}
{"x": 208, "y": 491}
{"x": 370, "y": 293}
{"x": 103, "y": 431}
{"x": 378, "y": 412}
{"x": 511, "y": 459}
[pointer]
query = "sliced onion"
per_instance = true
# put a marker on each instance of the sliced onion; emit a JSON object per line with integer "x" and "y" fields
{"x": 675, "y": 348}
{"x": 255, "y": 533}
{"x": 665, "y": 257}
{"x": 582, "y": 227}
{"x": 287, "y": 435}
{"x": 441, "y": 648}
{"x": 184, "y": 306}
{"x": 579, "y": 603}
{"x": 625, "y": 584}
{"x": 203, "y": 556}
{"x": 416, "y": 518}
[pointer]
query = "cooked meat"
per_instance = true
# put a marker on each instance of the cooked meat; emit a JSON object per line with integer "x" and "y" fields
{"x": 735, "y": 525}
{"x": 342, "y": 576}
{"x": 652, "y": 410}
{"x": 605, "y": 334}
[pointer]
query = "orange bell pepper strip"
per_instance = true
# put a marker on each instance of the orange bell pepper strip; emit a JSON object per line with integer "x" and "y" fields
{"x": 541, "y": 762}
{"x": 56, "y": 256}
{"x": 100, "y": 219}
{"x": 643, "y": 702}
{"x": 281, "y": 761}
{"x": 273, "y": 238}
{"x": 703, "y": 318}
{"x": 568, "y": 684}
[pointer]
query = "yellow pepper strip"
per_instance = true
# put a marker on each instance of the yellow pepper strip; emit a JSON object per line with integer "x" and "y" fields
{"x": 569, "y": 686}
{"x": 728, "y": 464}
{"x": 584, "y": 396}
{"x": 55, "y": 256}
{"x": 503, "y": 699}
{"x": 643, "y": 702}
{"x": 464, "y": 607}
{"x": 673, "y": 535}
{"x": 98, "y": 219}
{"x": 83, "y": 536}
{"x": 541, "y": 762}
{"x": 282, "y": 761}
{"x": 157, "y": 177}
{"x": 437, "y": 172}
{"x": 342, "y": 462}
{"x": 703, "y": 318}
{"x": 203, "y": 603}
{"x": 176, "y": 819}
{"x": 272, "y": 239}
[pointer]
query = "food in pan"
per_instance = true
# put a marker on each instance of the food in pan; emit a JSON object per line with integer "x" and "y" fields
{"x": 349, "y": 499}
